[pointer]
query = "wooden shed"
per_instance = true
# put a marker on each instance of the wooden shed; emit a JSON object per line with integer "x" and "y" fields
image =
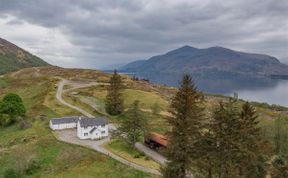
{"x": 156, "y": 141}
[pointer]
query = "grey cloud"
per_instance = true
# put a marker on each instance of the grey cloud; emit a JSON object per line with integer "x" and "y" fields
{"x": 121, "y": 30}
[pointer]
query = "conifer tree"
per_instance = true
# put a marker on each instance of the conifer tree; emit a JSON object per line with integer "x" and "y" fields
{"x": 134, "y": 125}
{"x": 187, "y": 124}
{"x": 224, "y": 130}
{"x": 254, "y": 149}
{"x": 233, "y": 146}
{"x": 114, "y": 100}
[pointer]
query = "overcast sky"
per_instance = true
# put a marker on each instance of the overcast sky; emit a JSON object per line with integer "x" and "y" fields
{"x": 96, "y": 33}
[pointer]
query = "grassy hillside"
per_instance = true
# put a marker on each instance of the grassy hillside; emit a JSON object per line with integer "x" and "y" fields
{"x": 35, "y": 151}
{"x": 13, "y": 58}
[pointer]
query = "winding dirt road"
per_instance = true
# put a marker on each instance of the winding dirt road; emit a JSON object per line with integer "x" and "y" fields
{"x": 69, "y": 136}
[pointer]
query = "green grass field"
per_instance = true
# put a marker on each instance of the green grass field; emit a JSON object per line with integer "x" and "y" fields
{"x": 35, "y": 152}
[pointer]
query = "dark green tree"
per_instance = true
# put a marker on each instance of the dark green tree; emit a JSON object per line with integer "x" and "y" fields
{"x": 233, "y": 146}
{"x": 187, "y": 124}
{"x": 254, "y": 148}
{"x": 11, "y": 108}
{"x": 224, "y": 127}
{"x": 114, "y": 100}
{"x": 134, "y": 125}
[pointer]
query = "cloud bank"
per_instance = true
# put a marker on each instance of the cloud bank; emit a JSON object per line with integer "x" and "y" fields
{"x": 96, "y": 33}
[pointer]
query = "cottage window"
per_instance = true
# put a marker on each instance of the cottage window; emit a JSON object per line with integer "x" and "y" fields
{"x": 102, "y": 132}
{"x": 85, "y": 134}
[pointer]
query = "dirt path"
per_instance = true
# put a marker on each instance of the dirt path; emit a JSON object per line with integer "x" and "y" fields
{"x": 69, "y": 136}
{"x": 152, "y": 154}
{"x": 60, "y": 99}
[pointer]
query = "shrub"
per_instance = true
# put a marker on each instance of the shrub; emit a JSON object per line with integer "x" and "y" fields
{"x": 138, "y": 155}
{"x": 24, "y": 124}
{"x": 32, "y": 166}
{"x": 11, "y": 173}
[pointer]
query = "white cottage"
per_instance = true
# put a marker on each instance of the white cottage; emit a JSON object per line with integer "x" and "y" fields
{"x": 92, "y": 128}
{"x": 87, "y": 128}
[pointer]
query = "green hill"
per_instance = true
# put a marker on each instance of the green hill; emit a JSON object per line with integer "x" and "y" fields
{"x": 13, "y": 58}
{"x": 35, "y": 151}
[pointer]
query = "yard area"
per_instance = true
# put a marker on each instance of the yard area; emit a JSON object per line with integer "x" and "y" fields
{"x": 122, "y": 149}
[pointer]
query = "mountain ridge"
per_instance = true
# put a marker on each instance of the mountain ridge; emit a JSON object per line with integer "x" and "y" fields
{"x": 13, "y": 58}
{"x": 210, "y": 60}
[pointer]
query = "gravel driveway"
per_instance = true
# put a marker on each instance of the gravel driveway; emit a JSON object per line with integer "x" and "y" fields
{"x": 69, "y": 136}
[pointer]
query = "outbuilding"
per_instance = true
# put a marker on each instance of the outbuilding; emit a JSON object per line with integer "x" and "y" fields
{"x": 87, "y": 128}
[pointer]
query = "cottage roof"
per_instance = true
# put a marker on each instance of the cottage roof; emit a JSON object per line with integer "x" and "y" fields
{"x": 86, "y": 122}
{"x": 64, "y": 120}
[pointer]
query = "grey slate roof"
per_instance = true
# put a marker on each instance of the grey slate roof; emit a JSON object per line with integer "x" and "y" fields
{"x": 64, "y": 120}
{"x": 86, "y": 122}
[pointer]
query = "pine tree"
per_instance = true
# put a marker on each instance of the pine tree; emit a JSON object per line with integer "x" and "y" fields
{"x": 254, "y": 149}
{"x": 134, "y": 125}
{"x": 233, "y": 146}
{"x": 114, "y": 100}
{"x": 187, "y": 124}
{"x": 224, "y": 131}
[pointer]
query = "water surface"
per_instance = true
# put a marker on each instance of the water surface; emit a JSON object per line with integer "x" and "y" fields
{"x": 264, "y": 89}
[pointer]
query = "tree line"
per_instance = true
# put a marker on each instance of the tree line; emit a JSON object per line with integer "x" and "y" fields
{"x": 134, "y": 124}
{"x": 226, "y": 144}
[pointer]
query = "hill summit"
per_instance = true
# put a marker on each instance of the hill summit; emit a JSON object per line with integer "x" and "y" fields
{"x": 216, "y": 61}
{"x": 13, "y": 58}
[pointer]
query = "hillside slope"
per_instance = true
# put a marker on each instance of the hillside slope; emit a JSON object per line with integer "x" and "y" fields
{"x": 13, "y": 58}
{"x": 214, "y": 61}
{"x": 37, "y": 87}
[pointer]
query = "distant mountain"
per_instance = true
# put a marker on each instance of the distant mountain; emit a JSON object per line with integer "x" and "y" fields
{"x": 13, "y": 58}
{"x": 214, "y": 62}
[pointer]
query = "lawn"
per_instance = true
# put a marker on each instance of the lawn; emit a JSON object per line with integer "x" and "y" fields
{"x": 122, "y": 149}
{"x": 53, "y": 158}
{"x": 147, "y": 99}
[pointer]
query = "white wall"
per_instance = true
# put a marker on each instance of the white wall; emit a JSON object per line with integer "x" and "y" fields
{"x": 62, "y": 126}
{"x": 99, "y": 133}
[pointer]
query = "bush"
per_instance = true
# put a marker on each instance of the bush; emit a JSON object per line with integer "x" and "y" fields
{"x": 5, "y": 120}
{"x": 24, "y": 124}
{"x": 138, "y": 155}
{"x": 11, "y": 109}
{"x": 32, "y": 166}
{"x": 147, "y": 158}
{"x": 11, "y": 173}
